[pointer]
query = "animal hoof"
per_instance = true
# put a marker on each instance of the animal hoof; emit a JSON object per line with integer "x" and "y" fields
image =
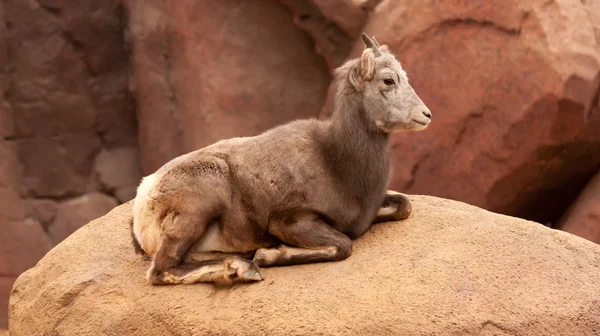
{"x": 246, "y": 270}
{"x": 404, "y": 210}
{"x": 252, "y": 276}
{"x": 155, "y": 276}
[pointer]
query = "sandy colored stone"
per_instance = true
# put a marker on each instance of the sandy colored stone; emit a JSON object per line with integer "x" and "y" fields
{"x": 450, "y": 269}
{"x": 511, "y": 86}
{"x": 75, "y": 213}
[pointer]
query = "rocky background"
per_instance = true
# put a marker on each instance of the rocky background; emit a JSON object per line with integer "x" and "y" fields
{"x": 97, "y": 93}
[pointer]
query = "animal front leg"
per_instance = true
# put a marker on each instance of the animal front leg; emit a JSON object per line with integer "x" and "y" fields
{"x": 395, "y": 207}
{"x": 313, "y": 241}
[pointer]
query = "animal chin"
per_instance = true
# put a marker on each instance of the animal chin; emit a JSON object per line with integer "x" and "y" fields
{"x": 419, "y": 125}
{"x": 393, "y": 128}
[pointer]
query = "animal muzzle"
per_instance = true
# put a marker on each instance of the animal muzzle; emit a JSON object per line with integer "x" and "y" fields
{"x": 421, "y": 115}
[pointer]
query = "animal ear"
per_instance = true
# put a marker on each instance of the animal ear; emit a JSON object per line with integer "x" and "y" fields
{"x": 367, "y": 64}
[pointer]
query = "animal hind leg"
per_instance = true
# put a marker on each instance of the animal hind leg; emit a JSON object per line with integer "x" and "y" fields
{"x": 177, "y": 238}
{"x": 395, "y": 207}
{"x": 179, "y": 232}
{"x": 314, "y": 241}
{"x": 226, "y": 269}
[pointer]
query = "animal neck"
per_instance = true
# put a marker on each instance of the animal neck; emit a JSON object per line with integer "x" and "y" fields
{"x": 356, "y": 149}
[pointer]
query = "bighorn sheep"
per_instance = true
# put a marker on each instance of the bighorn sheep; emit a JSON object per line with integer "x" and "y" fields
{"x": 295, "y": 194}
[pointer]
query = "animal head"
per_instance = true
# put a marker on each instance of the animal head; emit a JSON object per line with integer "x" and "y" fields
{"x": 389, "y": 101}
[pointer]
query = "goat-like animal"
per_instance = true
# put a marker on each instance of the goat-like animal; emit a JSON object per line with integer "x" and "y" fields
{"x": 295, "y": 194}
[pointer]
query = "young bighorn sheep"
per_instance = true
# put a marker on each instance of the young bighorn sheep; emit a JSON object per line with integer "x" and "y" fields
{"x": 296, "y": 194}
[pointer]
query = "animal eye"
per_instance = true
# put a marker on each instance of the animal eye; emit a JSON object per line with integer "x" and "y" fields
{"x": 388, "y": 81}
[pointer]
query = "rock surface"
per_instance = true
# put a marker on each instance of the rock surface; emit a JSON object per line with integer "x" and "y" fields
{"x": 332, "y": 25}
{"x": 512, "y": 86}
{"x": 63, "y": 99}
{"x": 75, "y": 213}
{"x": 6, "y": 283}
{"x": 450, "y": 269}
{"x": 22, "y": 244}
{"x": 201, "y": 75}
{"x": 68, "y": 83}
{"x": 119, "y": 172}
{"x": 583, "y": 217}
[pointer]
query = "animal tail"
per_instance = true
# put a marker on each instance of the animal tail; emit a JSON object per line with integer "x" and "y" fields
{"x": 136, "y": 245}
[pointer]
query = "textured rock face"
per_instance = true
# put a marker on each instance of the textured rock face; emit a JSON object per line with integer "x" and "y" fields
{"x": 68, "y": 91}
{"x": 450, "y": 269}
{"x": 201, "y": 75}
{"x": 118, "y": 172}
{"x": 63, "y": 100}
{"x": 332, "y": 25}
{"x": 583, "y": 218}
{"x": 512, "y": 87}
{"x": 74, "y": 213}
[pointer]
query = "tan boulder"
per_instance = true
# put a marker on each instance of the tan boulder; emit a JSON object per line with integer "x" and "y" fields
{"x": 201, "y": 74}
{"x": 450, "y": 269}
{"x": 512, "y": 87}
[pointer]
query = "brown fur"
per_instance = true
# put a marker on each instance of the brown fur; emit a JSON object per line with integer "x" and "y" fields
{"x": 314, "y": 185}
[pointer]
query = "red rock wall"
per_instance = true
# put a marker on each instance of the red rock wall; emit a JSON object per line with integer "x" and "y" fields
{"x": 511, "y": 85}
{"x": 583, "y": 216}
{"x": 208, "y": 70}
{"x": 68, "y": 142}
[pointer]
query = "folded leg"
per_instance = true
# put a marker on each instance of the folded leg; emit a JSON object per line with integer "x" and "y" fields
{"x": 311, "y": 238}
{"x": 395, "y": 207}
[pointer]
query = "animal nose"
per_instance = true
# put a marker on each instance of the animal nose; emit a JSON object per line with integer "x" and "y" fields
{"x": 427, "y": 113}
